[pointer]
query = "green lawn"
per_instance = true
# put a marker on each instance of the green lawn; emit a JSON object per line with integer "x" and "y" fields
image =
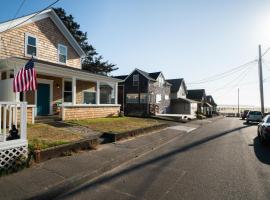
{"x": 42, "y": 136}
{"x": 117, "y": 124}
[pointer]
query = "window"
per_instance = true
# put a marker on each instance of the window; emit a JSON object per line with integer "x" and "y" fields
{"x": 62, "y": 54}
{"x": 107, "y": 93}
{"x": 136, "y": 80}
{"x": 67, "y": 91}
{"x": 89, "y": 97}
{"x": 30, "y": 45}
{"x": 132, "y": 98}
{"x": 143, "y": 98}
{"x": 160, "y": 81}
{"x": 158, "y": 98}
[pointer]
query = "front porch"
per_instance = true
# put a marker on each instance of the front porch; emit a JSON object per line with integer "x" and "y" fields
{"x": 67, "y": 92}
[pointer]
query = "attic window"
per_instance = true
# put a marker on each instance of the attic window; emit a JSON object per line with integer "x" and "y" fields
{"x": 136, "y": 80}
{"x": 62, "y": 54}
{"x": 30, "y": 45}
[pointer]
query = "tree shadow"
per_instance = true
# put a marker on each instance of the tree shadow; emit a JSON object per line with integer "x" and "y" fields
{"x": 262, "y": 152}
{"x": 171, "y": 154}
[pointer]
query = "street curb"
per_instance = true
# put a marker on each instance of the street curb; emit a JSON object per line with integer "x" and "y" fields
{"x": 75, "y": 181}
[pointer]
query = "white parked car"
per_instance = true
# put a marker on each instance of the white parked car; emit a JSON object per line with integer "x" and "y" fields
{"x": 254, "y": 116}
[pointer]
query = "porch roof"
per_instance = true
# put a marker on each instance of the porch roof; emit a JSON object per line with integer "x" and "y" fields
{"x": 55, "y": 69}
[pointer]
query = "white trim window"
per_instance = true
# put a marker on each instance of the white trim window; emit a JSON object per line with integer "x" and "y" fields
{"x": 31, "y": 42}
{"x": 62, "y": 54}
{"x": 67, "y": 92}
{"x": 89, "y": 97}
{"x": 135, "y": 80}
{"x": 132, "y": 98}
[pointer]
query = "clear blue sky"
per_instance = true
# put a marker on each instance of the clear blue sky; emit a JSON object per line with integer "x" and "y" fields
{"x": 188, "y": 38}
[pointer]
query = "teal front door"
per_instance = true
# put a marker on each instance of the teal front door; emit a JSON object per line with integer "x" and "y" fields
{"x": 43, "y": 99}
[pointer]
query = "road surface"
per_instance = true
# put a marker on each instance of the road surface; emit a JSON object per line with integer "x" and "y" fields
{"x": 221, "y": 160}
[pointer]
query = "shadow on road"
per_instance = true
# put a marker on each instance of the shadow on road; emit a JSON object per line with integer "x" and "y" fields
{"x": 251, "y": 123}
{"x": 157, "y": 159}
{"x": 262, "y": 151}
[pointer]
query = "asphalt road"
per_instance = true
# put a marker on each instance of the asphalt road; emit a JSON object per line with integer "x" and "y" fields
{"x": 221, "y": 160}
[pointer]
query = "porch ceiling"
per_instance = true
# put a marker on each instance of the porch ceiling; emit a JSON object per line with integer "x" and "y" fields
{"x": 58, "y": 70}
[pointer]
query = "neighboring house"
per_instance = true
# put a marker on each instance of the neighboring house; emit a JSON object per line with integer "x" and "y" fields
{"x": 199, "y": 96}
{"x": 63, "y": 89}
{"x": 213, "y": 109}
{"x": 180, "y": 104}
{"x": 142, "y": 93}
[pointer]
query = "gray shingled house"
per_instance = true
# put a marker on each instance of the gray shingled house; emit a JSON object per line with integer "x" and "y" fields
{"x": 141, "y": 93}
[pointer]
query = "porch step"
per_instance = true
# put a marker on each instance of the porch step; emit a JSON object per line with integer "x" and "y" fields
{"x": 47, "y": 119}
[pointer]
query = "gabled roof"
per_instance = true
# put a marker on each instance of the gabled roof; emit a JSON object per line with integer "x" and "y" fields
{"x": 122, "y": 77}
{"x": 150, "y": 76}
{"x": 210, "y": 100}
{"x": 196, "y": 94}
{"x": 176, "y": 84}
{"x": 39, "y": 16}
{"x": 154, "y": 75}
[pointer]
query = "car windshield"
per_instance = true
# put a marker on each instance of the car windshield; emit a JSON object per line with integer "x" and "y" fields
{"x": 254, "y": 113}
{"x": 267, "y": 119}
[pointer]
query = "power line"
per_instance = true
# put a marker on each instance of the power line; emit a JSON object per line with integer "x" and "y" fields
{"x": 265, "y": 52}
{"x": 237, "y": 79}
{"x": 32, "y": 16}
{"x": 223, "y": 75}
{"x": 17, "y": 12}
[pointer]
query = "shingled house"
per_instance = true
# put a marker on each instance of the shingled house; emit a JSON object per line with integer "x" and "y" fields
{"x": 213, "y": 109}
{"x": 141, "y": 93}
{"x": 198, "y": 95}
{"x": 180, "y": 104}
{"x": 64, "y": 89}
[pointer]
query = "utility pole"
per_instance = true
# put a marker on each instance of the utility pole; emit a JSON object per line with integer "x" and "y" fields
{"x": 238, "y": 104}
{"x": 261, "y": 79}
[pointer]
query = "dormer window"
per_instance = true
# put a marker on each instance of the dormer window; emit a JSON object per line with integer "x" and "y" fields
{"x": 62, "y": 54}
{"x": 30, "y": 45}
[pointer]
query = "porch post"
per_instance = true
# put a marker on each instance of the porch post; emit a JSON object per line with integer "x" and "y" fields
{"x": 17, "y": 94}
{"x": 74, "y": 82}
{"x": 116, "y": 93}
{"x": 98, "y": 93}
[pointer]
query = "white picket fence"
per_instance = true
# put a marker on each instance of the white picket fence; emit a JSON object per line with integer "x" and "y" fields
{"x": 12, "y": 113}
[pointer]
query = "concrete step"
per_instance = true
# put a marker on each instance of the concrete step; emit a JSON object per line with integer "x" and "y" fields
{"x": 47, "y": 119}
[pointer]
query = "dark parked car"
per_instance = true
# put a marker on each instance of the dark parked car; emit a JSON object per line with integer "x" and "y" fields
{"x": 244, "y": 114}
{"x": 264, "y": 129}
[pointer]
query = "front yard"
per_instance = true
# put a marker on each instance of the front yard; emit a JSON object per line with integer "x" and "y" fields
{"x": 117, "y": 124}
{"x": 42, "y": 136}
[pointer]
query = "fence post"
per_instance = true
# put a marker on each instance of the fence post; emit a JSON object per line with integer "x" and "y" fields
{"x": 23, "y": 120}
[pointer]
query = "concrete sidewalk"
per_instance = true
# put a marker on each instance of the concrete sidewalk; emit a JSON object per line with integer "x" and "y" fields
{"x": 48, "y": 179}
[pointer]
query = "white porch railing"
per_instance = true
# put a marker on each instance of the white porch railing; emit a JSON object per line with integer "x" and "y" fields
{"x": 12, "y": 113}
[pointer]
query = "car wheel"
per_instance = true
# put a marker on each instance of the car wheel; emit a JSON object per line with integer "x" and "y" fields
{"x": 262, "y": 140}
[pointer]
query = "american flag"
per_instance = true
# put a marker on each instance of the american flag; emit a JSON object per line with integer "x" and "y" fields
{"x": 26, "y": 78}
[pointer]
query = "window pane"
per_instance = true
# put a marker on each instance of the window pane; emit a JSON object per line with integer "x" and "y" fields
{"x": 143, "y": 98}
{"x": 107, "y": 93}
{"x": 89, "y": 98}
{"x": 67, "y": 96}
{"x": 62, "y": 50}
{"x": 68, "y": 86}
{"x": 62, "y": 58}
{"x": 31, "y": 50}
{"x": 32, "y": 41}
{"x": 132, "y": 98}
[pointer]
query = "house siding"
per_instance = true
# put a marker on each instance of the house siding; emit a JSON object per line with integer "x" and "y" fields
{"x": 164, "y": 105}
{"x": 145, "y": 86}
{"x": 12, "y": 42}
